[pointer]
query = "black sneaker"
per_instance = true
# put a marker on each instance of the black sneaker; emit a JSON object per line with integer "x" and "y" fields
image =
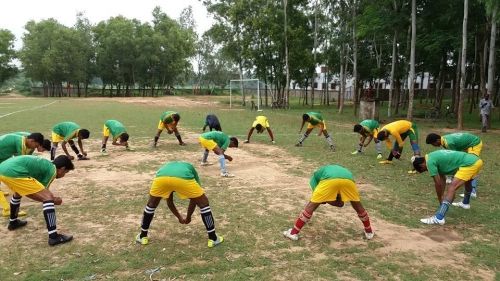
{"x": 13, "y": 225}
{"x": 60, "y": 239}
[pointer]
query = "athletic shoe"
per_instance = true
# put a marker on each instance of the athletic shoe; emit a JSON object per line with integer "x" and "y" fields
{"x": 182, "y": 144}
{"x": 332, "y": 147}
{"x": 83, "y": 158}
{"x": 143, "y": 241}
{"x": 379, "y": 156}
{"x": 472, "y": 195}
{"x": 288, "y": 234}
{"x": 246, "y": 141}
{"x": 356, "y": 152}
{"x": 205, "y": 163}
{"x": 412, "y": 171}
{"x": 13, "y": 225}
{"x": 385, "y": 162}
{"x": 432, "y": 220}
{"x": 369, "y": 235}
{"x": 6, "y": 214}
{"x": 212, "y": 243}
{"x": 273, "y": 142}
{"x": 60, "y": 239}
{"x": 461, "y": 205}
{"x": 128, "y": 148}
{"x": 104, "y": 153}
{"x": 226, "y": 175}
{"x": 298, "y": 144}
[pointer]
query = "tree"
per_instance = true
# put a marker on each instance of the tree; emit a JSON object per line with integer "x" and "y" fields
{"x": 460, "y": 124}
{"x": 7, "y": 55}
{"x": 411, "y": 78}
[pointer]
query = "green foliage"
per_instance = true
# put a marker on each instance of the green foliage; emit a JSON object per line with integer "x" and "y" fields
{"x": 7, "y": 54}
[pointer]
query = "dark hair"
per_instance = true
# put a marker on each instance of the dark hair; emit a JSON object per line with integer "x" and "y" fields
{"x": 63, "y": 161}
{"x": 306, "y": 117}
{"x": 357, "y": 128}
{"x": 417, "y": 162}
{"x": 84, "y": 133}
{"x": 258, "y": 127}
{"x": 124, "y": 137}
{"x": 37, "y": 137}
{"x": 176, "y": 117}
{"x": 432, "y": 138}
{"x": 46, "y": 145}
{"x": 234, "y": 140}
{"x": 382, "y": 135}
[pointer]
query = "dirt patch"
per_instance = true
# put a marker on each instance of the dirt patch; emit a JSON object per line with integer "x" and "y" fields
{"x": 168, "y": 101}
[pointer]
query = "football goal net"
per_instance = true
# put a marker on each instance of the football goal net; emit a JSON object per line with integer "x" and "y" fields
{"x": 244, "y": 91}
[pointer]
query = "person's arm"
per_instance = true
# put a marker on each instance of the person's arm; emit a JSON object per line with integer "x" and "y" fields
{"x": 173, "y": 209}
{"x": 270, "y": 132}
{"x": 302, "y": 126}
{"x": 439, "y": 184}
{"x": 250, "y": 134}
{"x": 63, "y": 145}
{"x": 190, "y": 211}
{"x": 370, "y": 137}
{"x": 229, "y": 158}
{"x": 80, "y": 144}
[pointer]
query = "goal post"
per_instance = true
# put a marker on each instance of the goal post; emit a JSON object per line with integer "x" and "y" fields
{"x": 231, "y": 82}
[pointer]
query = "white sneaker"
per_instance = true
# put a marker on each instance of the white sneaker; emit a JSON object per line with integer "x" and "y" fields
{"x": 273, "y": 142}
{"x": 449, "y": 179}
{"x": 369, "y": 235}
{"x": 226, "y": 175}
{"x": 432, "y": 220}
{"x": 379, "y": 156}
{"x": 461, "y": 205}
{"x": 246, "y": 141}
{"x": 288, "y": 234}
{"x": 205, "y": 163}
{"x": 472, "y": 195}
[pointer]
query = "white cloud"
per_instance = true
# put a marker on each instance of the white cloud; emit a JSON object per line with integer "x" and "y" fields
{"x": 15, "y": 14}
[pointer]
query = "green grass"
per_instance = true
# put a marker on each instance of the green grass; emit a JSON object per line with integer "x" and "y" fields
{"x": 104, "y": 215}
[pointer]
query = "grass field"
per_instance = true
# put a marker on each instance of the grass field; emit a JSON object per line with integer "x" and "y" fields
{"x": 103, "y": 201}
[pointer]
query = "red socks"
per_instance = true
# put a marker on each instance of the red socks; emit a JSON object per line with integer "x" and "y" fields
{"x": 363, "y": 216}
{"x": 303, "y": 218}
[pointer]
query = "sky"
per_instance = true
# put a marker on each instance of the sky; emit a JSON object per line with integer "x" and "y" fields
{"x": 14, "y": 14}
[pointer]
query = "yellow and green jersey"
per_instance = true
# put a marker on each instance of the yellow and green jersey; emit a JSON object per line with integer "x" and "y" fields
{"x": 459, "y": 141}
{"x": 115, "y": 128}
{"x": 167, "y": 118}
{"x": 12, "y": 145}
{"x": 447, "y": 162}
{"x": 67, "y": 130}
{"x": 396, "y": 129}
{"x": 28, "y": 166}
{"x": 221, "y": 139}
{"x": 178, "y": 169}
{"x": 315, "y": 118}
{"x": 370, "y": 125}
{"x": 329, "y": 172}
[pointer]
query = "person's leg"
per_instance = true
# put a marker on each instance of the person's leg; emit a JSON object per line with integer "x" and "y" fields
{"x": 484, "y": 121}
{"x": 378, "y": 148}
{"x": 222, "y": 160}
{"x": 304, "y": 217}
{"x": 204, "y": 160}
{"x": 5, "y": 204}
{"x": 363, "y": 216}
{"x": 157, "y": 136}
{"x": 329, "y": 139}
{"x": 103, "y": 146}
{"x": 304, "y": 136}
{"x": 178, "y": 136}
{"x": 147, "y": 217}
{"x": 53, "y": 150}
{"x": 207, "y": 217}
{"x": 49, "y": 213}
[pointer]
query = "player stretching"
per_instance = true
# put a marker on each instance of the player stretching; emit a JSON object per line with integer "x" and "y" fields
{"x": 180, "y": 177}
{"x": 332, "y": 184}
{"x": 464, "y": 166}
{"x": 314, "y": 119}
{"x": 260, "y": 123}
{"x": 65, "y": 132}
{"x": 368, "y": 129}
{"x": 218, "y": 142}
{"x": 168, "y": 120}
{"x": 212, "y": 122}
{"x": 400, "y": 130}
{"x": 117, "y": 131}
{"x": 31, "y": 176}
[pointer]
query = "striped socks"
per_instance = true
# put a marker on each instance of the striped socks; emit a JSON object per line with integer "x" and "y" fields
{"x": 15, "y": 203}
{"x": 365, "y": 219}
{"x": 443, "y": 208}
{"x": 149, "y": 213}
{"x": 303, "y": 218}
{"x": 208, "y": 221}
{"x": 49, "y": 213}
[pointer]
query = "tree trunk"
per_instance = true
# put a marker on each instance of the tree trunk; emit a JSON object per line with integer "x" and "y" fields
{"x": 491, "y": 65}
{"x": 460, "y": 120}
{"x": 483, "y": 56}
{"x": 397, "y": 85}
{"x": 355, "y": 58}
{"x": 456, "y": 84}
{"x": 393, "y": 67}
{"x": 285, "y": 3}
{"x": 411, "y": 94}
{"x": 342, "y": 80}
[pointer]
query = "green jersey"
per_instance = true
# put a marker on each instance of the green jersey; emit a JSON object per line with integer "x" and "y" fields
{"x": 329, "y": 172}
{"x": 459, "y": 141}
{"x": 167, "y": 117}
{"x": 68, "y": 130}
{"x": 12, "y": 145}
{"x": 315, "y": 118}
{"x": 178, "y": 169}
{"x": 369, "y": 125}
{"x": 28, "y": 166}
{"x": 447, "y": 162}
{"x": 115, "y": 128}
{"x": 218, "y": 137}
